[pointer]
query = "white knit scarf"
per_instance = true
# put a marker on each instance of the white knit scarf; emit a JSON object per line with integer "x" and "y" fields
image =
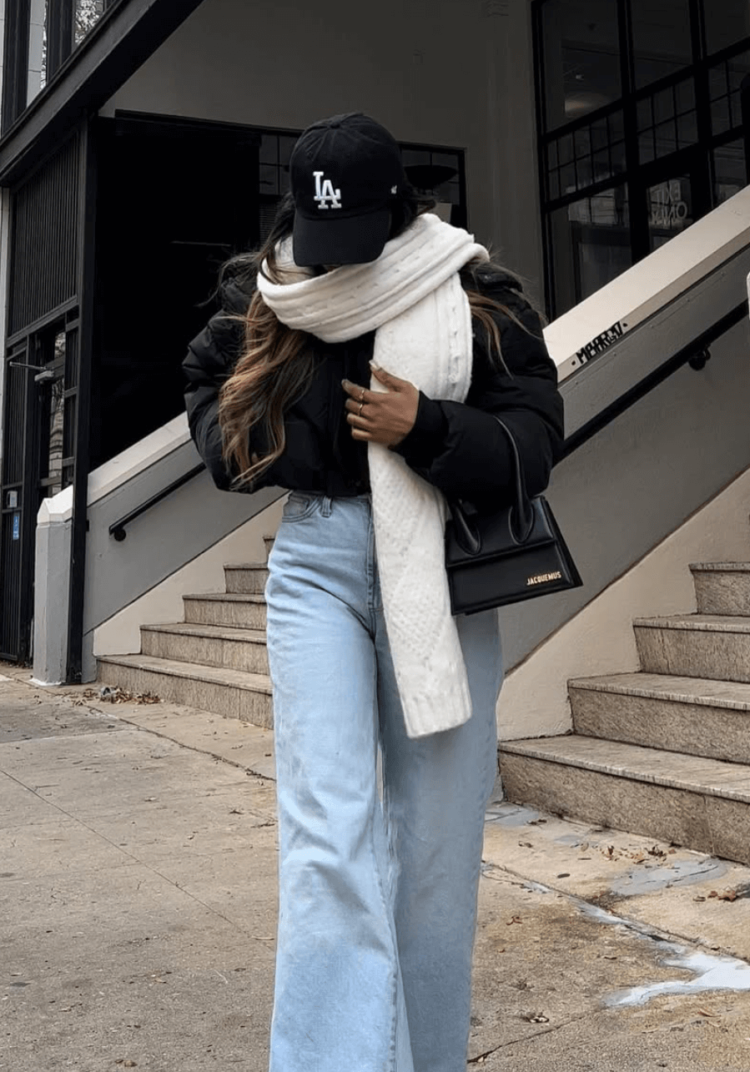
{"x": 412, "y": 297}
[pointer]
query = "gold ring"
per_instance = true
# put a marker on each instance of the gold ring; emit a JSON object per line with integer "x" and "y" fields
{"x": 362, "y": 396}
{"x": 359, "y": 414}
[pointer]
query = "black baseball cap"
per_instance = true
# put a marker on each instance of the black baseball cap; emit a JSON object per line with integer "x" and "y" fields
{"x": 345, "y": 172}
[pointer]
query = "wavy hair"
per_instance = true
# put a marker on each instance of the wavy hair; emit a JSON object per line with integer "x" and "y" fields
{"x": 276, "y": 366}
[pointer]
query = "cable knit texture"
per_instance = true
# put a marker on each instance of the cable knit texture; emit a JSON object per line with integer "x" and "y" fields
{"x": 413, "y": 299}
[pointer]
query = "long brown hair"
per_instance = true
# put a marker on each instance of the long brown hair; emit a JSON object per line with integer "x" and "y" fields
{"x": 276, "y": 366}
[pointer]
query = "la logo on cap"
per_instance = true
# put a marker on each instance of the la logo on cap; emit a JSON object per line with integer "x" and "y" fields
{"x": 325, "y": 194}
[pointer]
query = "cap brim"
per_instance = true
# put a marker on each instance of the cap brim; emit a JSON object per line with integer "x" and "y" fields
{"x": 340, "y": 240}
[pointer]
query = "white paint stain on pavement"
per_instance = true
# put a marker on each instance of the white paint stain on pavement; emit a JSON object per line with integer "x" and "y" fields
{"x": 711, "y": 973}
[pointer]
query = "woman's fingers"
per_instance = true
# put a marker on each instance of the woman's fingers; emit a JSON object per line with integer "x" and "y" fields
{"x": 381, "y": 416}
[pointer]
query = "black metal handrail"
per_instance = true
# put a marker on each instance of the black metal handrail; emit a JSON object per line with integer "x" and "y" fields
{"x": 117, "y": 529}
{"x": 696, "y": 355}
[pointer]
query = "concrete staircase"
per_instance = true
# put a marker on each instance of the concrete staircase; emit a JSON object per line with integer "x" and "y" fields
{"x": 215, "y": 660}
{"x": 664, "y": 752}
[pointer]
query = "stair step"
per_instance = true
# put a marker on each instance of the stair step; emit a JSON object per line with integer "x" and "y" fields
{"x": 695, "y": 645}
{"x": 233, "y": 693}
{"x": 722, "y": 587}
{"x": 703, "y": 804}
{"x": 250, "y": 578}
{"x": 209, "y": 645}
{"x": 677, "y": 714}
{"x": 243, "y": 610}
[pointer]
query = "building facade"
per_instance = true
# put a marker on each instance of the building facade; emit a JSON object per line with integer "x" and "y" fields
{"x": 144, "y": 141}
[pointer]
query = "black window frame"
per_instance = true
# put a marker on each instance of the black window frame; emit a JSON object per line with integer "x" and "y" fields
{"x": 632, "y": 174}
{"x": 61, "y": 44}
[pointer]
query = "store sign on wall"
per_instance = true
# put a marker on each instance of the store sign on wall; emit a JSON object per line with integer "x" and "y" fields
{"x": 668, "y": 209}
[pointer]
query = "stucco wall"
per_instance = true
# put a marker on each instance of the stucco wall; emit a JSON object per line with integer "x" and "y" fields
{"x": 449, "y": 72}
{"x": 640, "y": 478}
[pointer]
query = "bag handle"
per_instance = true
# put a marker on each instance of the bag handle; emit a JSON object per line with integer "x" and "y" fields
{"x": 467, "y": 534}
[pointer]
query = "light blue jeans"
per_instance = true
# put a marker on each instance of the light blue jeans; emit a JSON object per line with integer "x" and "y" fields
{"x": 377, "y": 900}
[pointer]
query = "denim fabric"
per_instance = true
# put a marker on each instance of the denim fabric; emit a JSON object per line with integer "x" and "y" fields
{"x": 377, "y": 899}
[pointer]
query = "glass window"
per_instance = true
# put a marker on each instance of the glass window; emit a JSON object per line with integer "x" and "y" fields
{"x": 724, "y": 83}
{"x": 662, "y": 42}
{"x": 726, "y": 23}
{"x": 581, "y": 58}
{"x": 670, "y": 207}
{"x": 667, "y": 121}
{"x": 590, "y": 243}
{"x": 591, "y": 154}
{"x": 730, "y": 170}
{"x": 37, "y": 49}
{"x": 88, "y": 13}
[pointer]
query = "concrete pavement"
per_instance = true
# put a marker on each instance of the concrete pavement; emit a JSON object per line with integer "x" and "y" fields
{"x": 138, "y": 901}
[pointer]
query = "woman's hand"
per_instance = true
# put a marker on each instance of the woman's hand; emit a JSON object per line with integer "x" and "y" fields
{"x": 384, "y": 417}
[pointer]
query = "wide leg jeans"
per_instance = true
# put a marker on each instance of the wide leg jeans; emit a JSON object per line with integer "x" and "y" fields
{"x": 377, "y": 898}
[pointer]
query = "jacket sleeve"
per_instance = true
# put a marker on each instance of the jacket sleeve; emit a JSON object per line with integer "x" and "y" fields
{"x": 459, "y": 446}
{"x": 210, "y": 359}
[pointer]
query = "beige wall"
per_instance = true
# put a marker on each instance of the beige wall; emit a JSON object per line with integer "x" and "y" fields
{"x": 447, "y": 72}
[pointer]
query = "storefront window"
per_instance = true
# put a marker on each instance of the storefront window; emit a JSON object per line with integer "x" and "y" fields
{"x": 661, "y": 39}
{"x": 670, "y": 209}
{"x": 674, "y": 147}
{"x": 581, "y": 58}
{"x": 590, "y": 240}
{"x": 667, "y": 121}
{"x": 729, "y": 170}
{"x": 726, "y": 23}
{"x": 724, "y": 83}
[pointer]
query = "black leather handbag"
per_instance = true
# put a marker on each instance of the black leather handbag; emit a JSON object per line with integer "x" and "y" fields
{"x": 515, "y": 554}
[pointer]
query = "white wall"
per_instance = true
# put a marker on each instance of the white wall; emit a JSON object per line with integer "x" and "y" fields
{"x": 120, "y": 634}
{"x": 640, "y": 478}
{"x": 600, "y": 640}
{"x": 445, "y": 72}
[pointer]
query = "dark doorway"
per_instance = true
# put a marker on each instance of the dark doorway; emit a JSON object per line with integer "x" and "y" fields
{"x": 176, "y": 198}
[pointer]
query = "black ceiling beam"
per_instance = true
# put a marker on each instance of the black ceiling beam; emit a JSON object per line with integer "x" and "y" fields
{"x": 127, "y": 34}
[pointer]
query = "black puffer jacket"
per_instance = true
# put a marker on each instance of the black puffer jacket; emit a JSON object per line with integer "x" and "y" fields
{"x": 457, "y": 446}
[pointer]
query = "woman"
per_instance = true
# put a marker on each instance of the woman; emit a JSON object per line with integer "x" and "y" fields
{"x": 378, "y": 344}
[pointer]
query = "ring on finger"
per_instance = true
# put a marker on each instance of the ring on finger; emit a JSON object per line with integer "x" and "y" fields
{"x": 359, "y": 412}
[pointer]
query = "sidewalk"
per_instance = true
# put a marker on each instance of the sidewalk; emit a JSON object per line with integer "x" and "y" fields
{"x": 137, "y": 911}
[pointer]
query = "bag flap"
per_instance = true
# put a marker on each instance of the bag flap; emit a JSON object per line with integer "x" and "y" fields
{"x": 498, "y": 535}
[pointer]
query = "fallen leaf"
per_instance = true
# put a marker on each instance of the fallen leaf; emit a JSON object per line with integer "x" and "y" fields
{"x": 510, "y": 922}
